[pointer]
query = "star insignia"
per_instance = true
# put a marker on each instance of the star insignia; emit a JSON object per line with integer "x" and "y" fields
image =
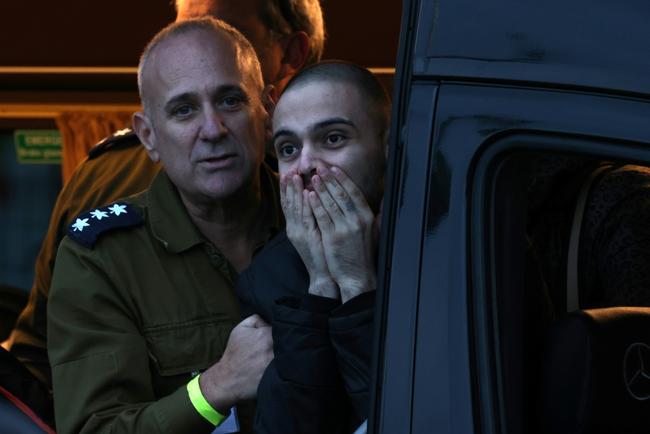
{"x": 97, "y": 214}
{"x": 117, "y": 209}
{"x": 91, "y": 225}
{"x": 80, "y": 224}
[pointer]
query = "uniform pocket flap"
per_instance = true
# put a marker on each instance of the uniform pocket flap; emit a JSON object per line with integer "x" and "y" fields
{"x": 178, "y": 348}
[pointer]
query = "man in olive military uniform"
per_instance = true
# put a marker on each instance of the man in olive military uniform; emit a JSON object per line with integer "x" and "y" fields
{"x": 287, "y": 34}
{"x": 141, "y": 300}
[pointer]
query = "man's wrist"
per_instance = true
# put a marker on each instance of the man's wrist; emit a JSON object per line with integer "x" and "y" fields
{"x": 214, "y": 387}
{"x": 352, "y": 287}
{"x": 201, "y": 404}
{"x": 324, "y": 287}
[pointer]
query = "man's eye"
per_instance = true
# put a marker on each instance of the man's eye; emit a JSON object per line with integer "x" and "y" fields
{"x": 183, "y": 111}
{"x": 286, "y": 151}
{"x": 334, "y": 139}
{"x": 230, "y": 102}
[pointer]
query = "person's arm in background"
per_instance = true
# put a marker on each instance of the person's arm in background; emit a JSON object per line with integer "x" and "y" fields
{"x": 119, "y": 167}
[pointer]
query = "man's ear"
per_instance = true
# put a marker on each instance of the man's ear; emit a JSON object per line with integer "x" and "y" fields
{"x": 294, "y": 56}
{"x": 269, "y": 98}
{"x": 143, "y": 129}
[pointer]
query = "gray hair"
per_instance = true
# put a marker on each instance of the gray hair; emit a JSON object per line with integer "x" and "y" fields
{"x": 284, "y": 17}
{"x": 245, "y": 53}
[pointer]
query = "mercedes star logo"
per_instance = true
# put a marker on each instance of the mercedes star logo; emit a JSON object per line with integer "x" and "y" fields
{"x": 636, "y": 371}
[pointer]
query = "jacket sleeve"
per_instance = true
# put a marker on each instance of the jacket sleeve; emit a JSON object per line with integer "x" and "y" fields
{"x": 248, "y": 304}
{"x": 301, "y": 390}
{"x": 351, "y": 327}
{"x": 100, "y": 363}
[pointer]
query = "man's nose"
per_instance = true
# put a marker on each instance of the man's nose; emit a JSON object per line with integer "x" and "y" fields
{"x": 308, "y": 162}
{"x": 212, "y": 127}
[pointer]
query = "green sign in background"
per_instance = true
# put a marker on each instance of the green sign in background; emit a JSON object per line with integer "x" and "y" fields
{"x": 38, "y": 146}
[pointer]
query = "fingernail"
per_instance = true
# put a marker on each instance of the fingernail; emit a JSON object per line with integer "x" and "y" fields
{"x": 335, "y": 170}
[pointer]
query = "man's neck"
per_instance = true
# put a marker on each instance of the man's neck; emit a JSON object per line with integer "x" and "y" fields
{"x": 233, "y": 225}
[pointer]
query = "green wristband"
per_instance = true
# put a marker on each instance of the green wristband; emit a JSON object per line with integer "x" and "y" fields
{"x": 201, "y": 405}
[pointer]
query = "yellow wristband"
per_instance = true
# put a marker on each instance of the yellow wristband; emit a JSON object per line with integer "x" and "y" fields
{"x": 201, "y": 405}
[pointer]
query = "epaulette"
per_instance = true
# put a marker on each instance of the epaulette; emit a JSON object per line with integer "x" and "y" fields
{"x": 118, "y": 140}
{"x": 88, "y": 226}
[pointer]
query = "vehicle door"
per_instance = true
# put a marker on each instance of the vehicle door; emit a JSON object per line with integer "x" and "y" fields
{"x": 482, "y": 90}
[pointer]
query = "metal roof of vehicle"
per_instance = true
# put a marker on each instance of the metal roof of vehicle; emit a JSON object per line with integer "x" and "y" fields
{"x": 601, "y": 44}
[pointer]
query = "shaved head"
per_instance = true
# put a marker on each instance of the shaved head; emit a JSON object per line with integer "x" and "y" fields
{"x": 374, "y": 96}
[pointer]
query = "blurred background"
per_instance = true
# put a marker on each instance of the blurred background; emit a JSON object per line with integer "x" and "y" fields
{"x": 112, "y": 33}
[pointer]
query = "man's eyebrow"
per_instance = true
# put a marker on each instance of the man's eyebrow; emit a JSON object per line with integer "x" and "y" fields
{"x": 333, "y": 121}
{"x": 185, "y": 96}
{"x": 282, "y": 133}
{"x": 178, "y": 98}
{"x": 229, "y": 88}
{"x": 317, "y": 127}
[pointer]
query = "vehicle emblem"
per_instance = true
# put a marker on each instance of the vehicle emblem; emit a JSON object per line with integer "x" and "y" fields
{"x": 636, "y": 371}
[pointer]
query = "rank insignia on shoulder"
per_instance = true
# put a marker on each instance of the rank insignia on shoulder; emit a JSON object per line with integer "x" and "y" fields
{"x": 88, "y": 226}
{"x": 118, "y": 140}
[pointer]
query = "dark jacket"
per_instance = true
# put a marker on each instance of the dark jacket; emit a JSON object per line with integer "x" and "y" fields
{"x": 318, "y": 381}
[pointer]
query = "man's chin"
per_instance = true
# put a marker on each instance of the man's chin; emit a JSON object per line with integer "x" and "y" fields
{"x": 225, "y": 185}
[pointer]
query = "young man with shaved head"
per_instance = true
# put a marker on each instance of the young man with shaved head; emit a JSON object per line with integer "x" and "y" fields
{"x": 286, "y": 34}
{"x": 316, "y": 283}
{"x": 142, "y": 316}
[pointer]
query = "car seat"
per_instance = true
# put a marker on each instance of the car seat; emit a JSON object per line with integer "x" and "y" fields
{"x": 595, "y": 375}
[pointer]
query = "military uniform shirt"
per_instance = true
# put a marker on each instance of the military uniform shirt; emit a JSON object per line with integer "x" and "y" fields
{"x": 131, "y": 319}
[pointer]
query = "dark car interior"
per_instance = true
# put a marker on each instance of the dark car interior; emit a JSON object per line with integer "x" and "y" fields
{"x": 560, "y": 367}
